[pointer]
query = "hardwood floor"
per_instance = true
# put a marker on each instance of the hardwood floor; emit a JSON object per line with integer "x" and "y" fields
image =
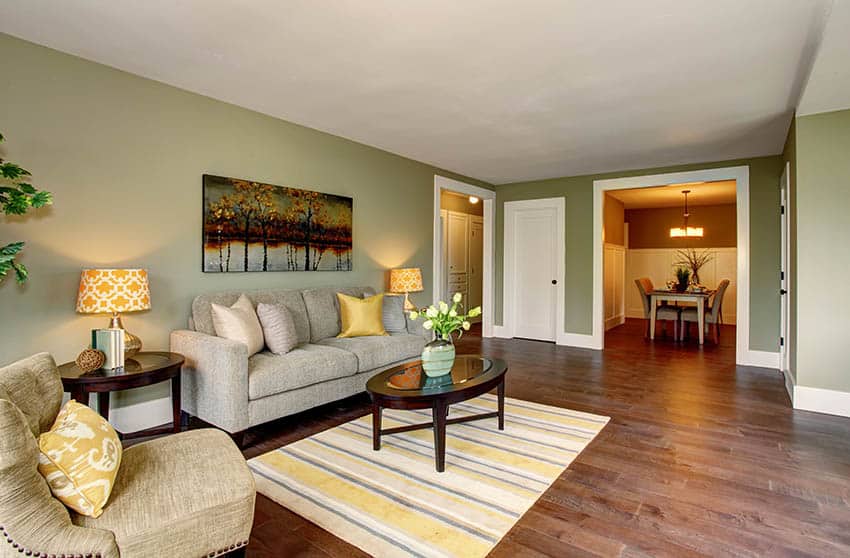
{"x": 701, "y": 458}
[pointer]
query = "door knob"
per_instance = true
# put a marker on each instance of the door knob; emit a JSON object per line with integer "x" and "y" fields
{"x": 554, "y": 281}
{"x": 783, "y": 291}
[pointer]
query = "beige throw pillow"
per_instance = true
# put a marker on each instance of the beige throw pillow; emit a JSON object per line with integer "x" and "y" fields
{"x": 278, "y": 328}
{"x": 239, "y": 323}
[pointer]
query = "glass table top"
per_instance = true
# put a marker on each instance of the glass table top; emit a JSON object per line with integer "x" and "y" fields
{"x": 465, "y": 368}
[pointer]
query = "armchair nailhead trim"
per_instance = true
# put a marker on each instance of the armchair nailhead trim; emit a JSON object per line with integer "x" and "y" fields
{"x": 226, "y": 549}
{"x": 29, "y": 552}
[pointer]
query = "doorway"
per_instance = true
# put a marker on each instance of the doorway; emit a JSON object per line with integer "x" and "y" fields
{"x": 741, "y": 176}
{"x": 534, "y": 268}
{"x": 478, "y": 238}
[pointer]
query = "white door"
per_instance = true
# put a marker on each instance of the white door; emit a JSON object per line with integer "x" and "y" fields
{"x": 444, "y": 235}
{"x": 476, "y": 262}
{"x": 534, "y": 268}
{"x": 784, "y": 273}
{"x": 458, "y": 253}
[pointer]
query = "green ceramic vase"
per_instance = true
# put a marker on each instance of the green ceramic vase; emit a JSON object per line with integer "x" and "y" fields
{"x": 438, "y": 357}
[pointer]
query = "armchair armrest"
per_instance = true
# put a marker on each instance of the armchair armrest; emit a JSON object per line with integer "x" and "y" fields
{"x": 414, "y": 327}
{"x": 215, "y": 378}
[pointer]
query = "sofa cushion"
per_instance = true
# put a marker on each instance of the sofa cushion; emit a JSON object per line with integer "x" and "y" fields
{"x": 393, "y": 314}
{"x": 323, "y": 309}
{"x": 190, "y": 494}
{"x": 376, "y": 351}
{"x": 305, "y": 365}
{"x": 239, "y": 323}
{"x": 278, "y": 328}
{"x": 291, "y": 299}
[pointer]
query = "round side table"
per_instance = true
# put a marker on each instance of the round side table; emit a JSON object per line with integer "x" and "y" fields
{"x": 142, "y": 369}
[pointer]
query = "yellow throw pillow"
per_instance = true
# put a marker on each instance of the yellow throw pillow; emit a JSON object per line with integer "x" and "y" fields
{"x": 361, "y": 316}
{"x": 79, "y": 458}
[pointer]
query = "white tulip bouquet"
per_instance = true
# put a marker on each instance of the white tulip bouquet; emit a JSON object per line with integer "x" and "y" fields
{"x": 445, "y": 320}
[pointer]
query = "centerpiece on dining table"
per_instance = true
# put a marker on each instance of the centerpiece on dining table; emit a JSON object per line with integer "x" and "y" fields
{"x": 438, "y": 356}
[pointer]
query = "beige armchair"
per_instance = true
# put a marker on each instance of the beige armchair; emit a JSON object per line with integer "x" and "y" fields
{"x": 189, "y": 494}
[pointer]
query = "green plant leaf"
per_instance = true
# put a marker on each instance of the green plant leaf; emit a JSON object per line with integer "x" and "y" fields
{"x": 27, "y": 188}
{"x": 41, "y": 198}
{"x": 21, "y": 273}
{"x": 12, "y": 171}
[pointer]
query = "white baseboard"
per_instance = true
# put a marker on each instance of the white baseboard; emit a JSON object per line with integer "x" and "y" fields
{"x": 820, "y": 400}
{"x": 579, "y": 340}
{"x": 789, "y": 385}
{"x": 615, "y": 321}
{"x": 764, "y": 359}
{"x": 141, "y": 416}
{"x": 501, "y": 331}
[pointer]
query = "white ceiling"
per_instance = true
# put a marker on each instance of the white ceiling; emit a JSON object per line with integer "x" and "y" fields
{"x": 828, "y": 87}
{"x": 499, "y": 90}
{"x": 701, "y": 193}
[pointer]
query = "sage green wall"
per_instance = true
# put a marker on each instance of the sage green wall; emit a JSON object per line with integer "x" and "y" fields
{"x": 823, "y": 258}
{"x": 124, "y": 155}
{"x": 578, "y": 191}
{"x": 789, "y": 155}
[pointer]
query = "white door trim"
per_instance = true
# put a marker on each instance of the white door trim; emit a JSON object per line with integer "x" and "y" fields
{"x": 741, "y": 176}
{"x": 508, "y": 268}
{"x": 488, "y": 198}
{"x": 785, "y": 264}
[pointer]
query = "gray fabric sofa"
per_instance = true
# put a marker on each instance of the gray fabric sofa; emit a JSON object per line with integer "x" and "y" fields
{"x": 224, "y": 387}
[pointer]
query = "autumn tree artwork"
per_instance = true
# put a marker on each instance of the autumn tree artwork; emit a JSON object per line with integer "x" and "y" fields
{"x": 251, "y": 226}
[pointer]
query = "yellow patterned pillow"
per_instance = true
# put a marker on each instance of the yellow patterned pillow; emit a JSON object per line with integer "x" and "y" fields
{"x": 79, "y": 458}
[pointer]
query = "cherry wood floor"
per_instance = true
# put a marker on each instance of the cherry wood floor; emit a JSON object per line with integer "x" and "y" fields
{"x": 701, "y": 458}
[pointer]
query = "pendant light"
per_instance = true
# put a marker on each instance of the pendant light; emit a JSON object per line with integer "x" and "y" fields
{"x": 685, "y": 230}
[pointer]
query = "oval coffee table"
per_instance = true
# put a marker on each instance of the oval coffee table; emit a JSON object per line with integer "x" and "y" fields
{"x": 407, "y": 387}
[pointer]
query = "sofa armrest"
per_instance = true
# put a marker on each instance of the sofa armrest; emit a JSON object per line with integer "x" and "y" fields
{"x": 414, "y": 327}
{"x": 215, "y": 378}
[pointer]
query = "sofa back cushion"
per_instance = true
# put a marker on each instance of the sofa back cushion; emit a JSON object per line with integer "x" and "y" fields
{"x": 323, "y": 309}
{"x": 291, "y": 299}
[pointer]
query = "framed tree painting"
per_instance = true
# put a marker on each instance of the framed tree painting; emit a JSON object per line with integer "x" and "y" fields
{"x": 251, "y": 226}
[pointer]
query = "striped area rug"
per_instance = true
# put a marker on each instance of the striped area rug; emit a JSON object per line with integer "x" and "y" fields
{"x": 393, "y": 503}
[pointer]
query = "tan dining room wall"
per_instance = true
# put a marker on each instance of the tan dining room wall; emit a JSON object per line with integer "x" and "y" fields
{"x": 650, "y": 227}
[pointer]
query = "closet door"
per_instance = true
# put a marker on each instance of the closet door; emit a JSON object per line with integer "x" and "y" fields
{"x": 476, "y": 263}
{"x": 458, "y": 253}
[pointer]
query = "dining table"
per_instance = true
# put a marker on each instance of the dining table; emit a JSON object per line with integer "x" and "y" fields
{"x": 699, "y": 298}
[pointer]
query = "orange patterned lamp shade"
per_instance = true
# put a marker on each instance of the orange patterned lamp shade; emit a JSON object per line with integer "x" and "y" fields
{"x": 113, "y": 291}
{"x": 406, "y": 280}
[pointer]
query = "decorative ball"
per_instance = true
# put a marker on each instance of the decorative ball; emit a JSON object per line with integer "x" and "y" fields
{"x": 90, "y": 360}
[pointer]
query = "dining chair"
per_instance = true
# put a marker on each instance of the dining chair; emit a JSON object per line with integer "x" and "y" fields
{"x": 713, "y": 314}
{"x": 662, "y": 312}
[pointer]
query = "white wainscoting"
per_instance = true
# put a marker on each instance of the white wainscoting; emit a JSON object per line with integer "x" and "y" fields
{"x": 657, "y": 264}
{"x": 613, "y": 266}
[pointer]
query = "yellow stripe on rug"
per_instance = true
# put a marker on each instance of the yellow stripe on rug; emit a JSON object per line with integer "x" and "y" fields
{"x": 392, "y": 502}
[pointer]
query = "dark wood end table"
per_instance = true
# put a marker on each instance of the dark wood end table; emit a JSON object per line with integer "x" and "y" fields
{"x": 407, "y": 387}
{"x": 142, "y": 369}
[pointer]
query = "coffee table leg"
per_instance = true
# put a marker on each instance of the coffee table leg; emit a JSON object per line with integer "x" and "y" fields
{"x": 376, "y": 426}
{"x": 439, "y": 415}
{"x": 175, "y": 403}
{"x": 502, "y": 405}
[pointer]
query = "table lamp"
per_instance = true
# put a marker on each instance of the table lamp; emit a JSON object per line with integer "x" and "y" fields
{"x": 406, "y": 280}
{"x": 114, "y": 291}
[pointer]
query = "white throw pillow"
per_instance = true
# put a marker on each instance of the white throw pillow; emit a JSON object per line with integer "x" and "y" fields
{"x": 239, "y": 323}
{"x": 278, "y": 328}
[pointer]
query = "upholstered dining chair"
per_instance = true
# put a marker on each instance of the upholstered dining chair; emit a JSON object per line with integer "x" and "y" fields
{"x": 188, "y": 494}
{"x": 713, "y": 314}
{"x": 662, "y": 312}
